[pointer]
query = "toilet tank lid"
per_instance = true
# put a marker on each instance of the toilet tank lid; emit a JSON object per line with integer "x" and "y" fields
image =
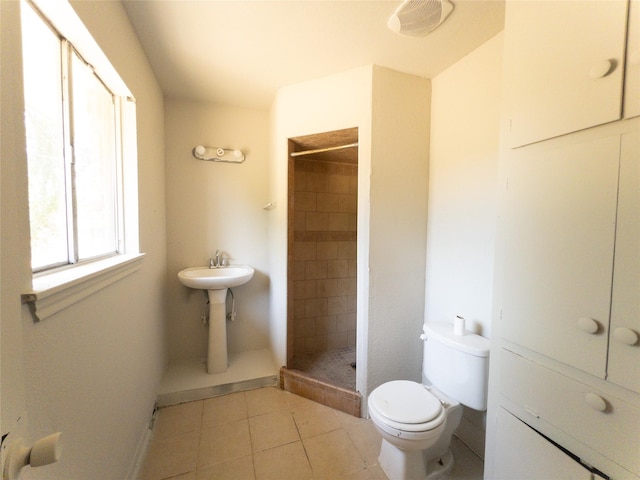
{"x": 469, "y": 342}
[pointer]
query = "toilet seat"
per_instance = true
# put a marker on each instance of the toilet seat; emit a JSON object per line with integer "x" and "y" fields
{"x": 407, "y": 406}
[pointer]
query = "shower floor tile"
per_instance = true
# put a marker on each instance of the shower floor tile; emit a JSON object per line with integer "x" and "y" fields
{"x": 334, "y": 366}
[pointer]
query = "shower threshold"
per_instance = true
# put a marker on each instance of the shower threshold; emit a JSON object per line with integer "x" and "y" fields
{"x": 327, "y": 378}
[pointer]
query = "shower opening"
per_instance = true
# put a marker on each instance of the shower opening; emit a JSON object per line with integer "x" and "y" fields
{"x": 322, "y": 234}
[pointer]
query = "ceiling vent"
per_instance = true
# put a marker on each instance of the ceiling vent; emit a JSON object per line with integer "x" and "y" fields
{"x": 417, "y": 18}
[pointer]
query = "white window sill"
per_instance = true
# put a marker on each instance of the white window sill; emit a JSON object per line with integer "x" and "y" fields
{"x": 56, "y": 291}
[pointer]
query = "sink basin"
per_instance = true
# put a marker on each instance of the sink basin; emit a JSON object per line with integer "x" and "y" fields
{"x": 206, "y": 278}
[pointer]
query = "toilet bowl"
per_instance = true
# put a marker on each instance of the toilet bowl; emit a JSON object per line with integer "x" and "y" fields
{"x": 417, "y": 421}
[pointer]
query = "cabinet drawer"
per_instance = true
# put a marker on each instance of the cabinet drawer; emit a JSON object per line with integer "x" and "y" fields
{"x": 599, "y": 420}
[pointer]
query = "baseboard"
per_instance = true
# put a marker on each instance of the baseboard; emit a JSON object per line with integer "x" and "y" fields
{"x": 472, "y": 436}
{"x": 140, "y": 453}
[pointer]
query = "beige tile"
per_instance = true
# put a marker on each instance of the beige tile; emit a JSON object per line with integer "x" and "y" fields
{"x": 337, "y": 305}
{"x": 295, "y": 402}
{"x": 332, "y": 455}
{"x": 315, "y": 306}
{"x": 338, "y": 268}
{"x": 327, "y": 202}
{"x": 315, "y": 419}
{"x": 178, "y": 419}
{"x": 327, "y": 250}
{"x": 366, "y": 439}
{"x": 186, "y": 476}
{"x": 171, "y": 456}
{"x": 338, "y": 222}
{"x": 303, "y": 251}
{"x": 303, "y": 289}
{"x": 348, "y": 203}
{"x": 315, "y": 269}
{"x": 347, "y": 250}
{"x": 317, "y": 221}
{"x": 306, "y": 201}
{"x": 224, "y": 442}
{"x": 339, "y": 184}
{"x": 265, "y": 400}
{"x": 223, "y": 409}
{"x": 272, "y": 430}
{"x": 237, "y": 469}
{"x": 327, "y": 288}
{"x": 288, "y": 462}
{"x": 369, "y": 473}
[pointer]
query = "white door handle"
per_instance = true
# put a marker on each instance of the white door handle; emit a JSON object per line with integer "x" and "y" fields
{"x": 625, "y": 335}
{"x": 588, "y": 325}
{"x": 596, "y": 402}
{"x": 601, "y": 69}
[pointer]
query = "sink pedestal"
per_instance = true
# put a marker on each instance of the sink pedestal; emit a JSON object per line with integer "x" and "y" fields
{"x": 216, "y": 281}
{"x": 217, "y": 361}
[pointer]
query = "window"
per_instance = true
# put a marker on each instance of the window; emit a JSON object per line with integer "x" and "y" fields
{"x": 80, "y": 124}
{"x": 72, "y": 123}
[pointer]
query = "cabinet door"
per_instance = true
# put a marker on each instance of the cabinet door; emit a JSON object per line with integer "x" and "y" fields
{"x": 524, "y": 454}
{"x": 563, "y": 66}
{"x": 632, "y": 71}
{"x": 559, "y": 236}
{"x": 624, "y": 338}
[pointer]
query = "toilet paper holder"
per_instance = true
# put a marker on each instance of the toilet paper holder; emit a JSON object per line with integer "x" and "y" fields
{"x": 45, "y": 451}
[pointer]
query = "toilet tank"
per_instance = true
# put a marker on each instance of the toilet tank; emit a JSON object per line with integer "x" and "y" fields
{"x": 457, "y": 365}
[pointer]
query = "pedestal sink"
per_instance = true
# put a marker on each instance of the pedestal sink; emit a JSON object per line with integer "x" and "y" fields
{"x": 216, "y": 281}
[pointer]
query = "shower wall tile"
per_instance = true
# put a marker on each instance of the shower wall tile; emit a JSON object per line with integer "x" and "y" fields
{"x": 338, "y": 222}
{"x": 328, "y": 202}
{"x": 327, "y": 288}
{"x": 324, "y": 255}
{"x": 327, "y": 250}
{"x": 338, "y": 268}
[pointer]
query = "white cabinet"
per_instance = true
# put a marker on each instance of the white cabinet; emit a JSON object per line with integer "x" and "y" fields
{"x": 632, "y": 70}
{"x": 559, "y": 232}
{"x": 527, "y": 455}
{"x": 572, "y": 224}
{"x": 563, "y": 75}
{"x": 595, "y": 420}
{"x": 624, "y": 335}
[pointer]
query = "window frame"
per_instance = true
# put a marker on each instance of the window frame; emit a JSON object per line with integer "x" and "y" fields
{"x": 54, "y": 289}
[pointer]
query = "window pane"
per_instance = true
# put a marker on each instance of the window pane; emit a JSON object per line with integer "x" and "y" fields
{"x": 94, "y": 142}
{"x": 45, "y": 142}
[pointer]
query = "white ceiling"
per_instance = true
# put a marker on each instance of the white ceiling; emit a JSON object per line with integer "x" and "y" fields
{"x": 239, "y": 52}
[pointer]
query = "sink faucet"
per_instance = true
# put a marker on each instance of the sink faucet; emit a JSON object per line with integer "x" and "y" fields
{"x": 215, "y": 261}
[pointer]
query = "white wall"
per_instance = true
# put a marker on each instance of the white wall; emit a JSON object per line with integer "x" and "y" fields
{"x": 463, "y": 202}
{"x": 391, "y": 111}
{"x": 213, "y": 206}
{"x": 92, "y": 370}
{"x": 463, "y": 176}
{"x": 397, "y": 233}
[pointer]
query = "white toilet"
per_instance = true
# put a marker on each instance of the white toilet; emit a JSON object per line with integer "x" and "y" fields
{"x": 416, "y": 421}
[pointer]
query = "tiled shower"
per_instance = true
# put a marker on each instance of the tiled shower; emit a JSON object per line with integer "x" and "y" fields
{"x": 323, "y": 190}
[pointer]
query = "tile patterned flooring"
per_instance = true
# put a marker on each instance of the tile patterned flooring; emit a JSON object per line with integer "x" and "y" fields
{"x": 333, "y": 366}
{"x": 266, "y": 434}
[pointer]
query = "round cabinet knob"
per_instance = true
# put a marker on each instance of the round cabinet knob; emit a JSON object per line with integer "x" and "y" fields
{"x": 588, "y": 325}
{"x": 596, "y": 402}
{"x": 601, "y": 69}
{"x": 625, "y": 335}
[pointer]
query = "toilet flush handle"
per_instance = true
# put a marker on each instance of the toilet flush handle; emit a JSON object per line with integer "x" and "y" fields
{"x": 423, "y": 337}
